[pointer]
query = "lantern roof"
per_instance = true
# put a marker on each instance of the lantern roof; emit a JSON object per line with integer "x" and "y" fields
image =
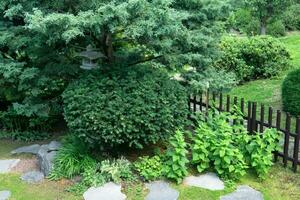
{"x": 91, "y": 53}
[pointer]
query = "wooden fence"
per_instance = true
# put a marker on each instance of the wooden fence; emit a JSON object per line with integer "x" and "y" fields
{"x": 257, "y": 117}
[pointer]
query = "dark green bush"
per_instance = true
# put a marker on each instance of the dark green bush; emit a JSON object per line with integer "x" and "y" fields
{"x": 253, "y": 57}
{"x": 139, "y": 106}
{"x": 291, "y": 93}
{"x": 243, "y": 21}
{"x": 291, "y": 17}
{"x": 277, "y": 28}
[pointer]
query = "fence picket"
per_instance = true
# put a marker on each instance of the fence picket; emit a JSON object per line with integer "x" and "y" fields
{"x": 254, "y": 124}
{"x": 296, "y": 146}
{"x": 286, "y": 139}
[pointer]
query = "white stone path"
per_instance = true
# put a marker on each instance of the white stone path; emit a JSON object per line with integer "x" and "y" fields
{"x": 7, "y": 165}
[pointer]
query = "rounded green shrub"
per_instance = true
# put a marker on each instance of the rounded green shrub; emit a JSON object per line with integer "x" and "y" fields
{"x": 291, "y": 93}
{"x": 253, "y": 57}
{"x": 132, "y": 107}
{"x": 276, "y": 29}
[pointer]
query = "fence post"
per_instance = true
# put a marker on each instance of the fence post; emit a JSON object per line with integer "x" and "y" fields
{"x": 296, "y": 145}
{"x": 228, "y": 104}
{"x": 287, "y": 140}
{"x": 262, "y": 118}
{"x": 194, "y": 103}
{"x": 254, "y": 124}
{"x": 249, "y": 121}
{"x": 278, "y": 121}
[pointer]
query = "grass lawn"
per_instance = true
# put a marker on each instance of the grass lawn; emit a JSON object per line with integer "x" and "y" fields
{"x": 281, "y": 184}
{"x": 268, "y": 91}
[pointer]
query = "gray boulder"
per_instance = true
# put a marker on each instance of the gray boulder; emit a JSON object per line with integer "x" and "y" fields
{"x": 46, "y": 159}
{"x": 5, "y": 195}
{"x": 33, "y": 149}
{"x": 243, "y": 192}
{"x": 33, "y": 177}
{"x": 54, "y": 146}
{"x": 160, "y": 190}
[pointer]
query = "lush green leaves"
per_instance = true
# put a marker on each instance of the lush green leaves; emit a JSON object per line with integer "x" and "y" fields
{"x": 291, "y": 93}
{"x": 140, "y": 106}
{"x": 254, "y": 57}
{"x": 149, "y": 168}
{"x": 175, "y": 165}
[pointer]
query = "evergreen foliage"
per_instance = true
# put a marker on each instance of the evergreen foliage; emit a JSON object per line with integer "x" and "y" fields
{"x": 291, "y": 93}
{"x": 40, "y": 42}
{"x": 139, "y": 106}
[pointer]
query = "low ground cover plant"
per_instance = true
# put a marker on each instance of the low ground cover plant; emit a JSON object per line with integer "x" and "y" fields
{"x": 291, "y": 93}
{"x": 150, "y": 168}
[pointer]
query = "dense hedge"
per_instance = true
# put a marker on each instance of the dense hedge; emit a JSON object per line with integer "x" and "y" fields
{"x": 291, "y": 93}
{"x": 253, "y": 57}
{"x": 137, "y": 107}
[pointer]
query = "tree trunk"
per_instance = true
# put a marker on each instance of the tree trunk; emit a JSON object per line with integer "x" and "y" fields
{"x": 263, "y": 27}
{"x": 109, "y": 48}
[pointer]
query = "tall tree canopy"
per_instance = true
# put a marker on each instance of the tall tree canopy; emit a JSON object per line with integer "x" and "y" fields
{"x": 40, "y": 41}
{"x": 266, "y": 9}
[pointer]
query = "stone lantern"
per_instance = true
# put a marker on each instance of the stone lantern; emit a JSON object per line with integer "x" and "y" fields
{"x": 89, "y": 58}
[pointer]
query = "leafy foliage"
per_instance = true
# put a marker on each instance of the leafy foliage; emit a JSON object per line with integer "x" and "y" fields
{"x": 72, "y": 159}
{"x": 137, "y": 107}
{"x": 291, "y": 93}
{"x": 291, "y": 17}
{"x": 261, "y": 150}
{"x": 107, "y": 170}
{"x": 175, "y": 166}
{"x": 26, "y": 136}
{"x": 149, "y": 168}
{"x": 254, "y": 57}
{"x": 229, "y": 149}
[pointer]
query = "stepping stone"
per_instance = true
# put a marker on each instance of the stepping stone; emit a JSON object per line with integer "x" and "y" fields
{"x": 5, "y": 195}
{"x": 33, "y": 149}
{"x": 7, "y": 165}
{"x": 33, "y": 177}
{"x": 208, "y": 181}
{"x": 243, "y": 192}
{"x": 109, "y": 191}
{"x": 160, "y": 190}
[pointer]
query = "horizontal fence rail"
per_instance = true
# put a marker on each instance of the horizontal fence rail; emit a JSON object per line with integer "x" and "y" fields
{"x": 257, "y": 117}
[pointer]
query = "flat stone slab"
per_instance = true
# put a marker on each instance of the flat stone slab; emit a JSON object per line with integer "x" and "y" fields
{"x": 7, "y": 165}
{"x": 5, "y": 195}
{"x": 160, "y": 190}
{"x": 33, "y": 177}
{"x": 243, "y": 192}
{"x": 208, "y": 181}
{"x": 109, "y": 191}
{"x": 33, "y": 149}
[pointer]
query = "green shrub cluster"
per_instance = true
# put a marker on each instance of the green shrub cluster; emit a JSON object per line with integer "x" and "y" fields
{"x": 230, "y": 150}
{"x": 291, "y": 17}
{"x": 149, "y": 168}
{"x": 276, "y": 28}
{"x": 139, "y": 106}
{"x": 176, "y": 160}
{"x": 72, "y": 159}
{"x": 24, "y": 136}
{"x": 253, "y": 57}
{"x": 291, "y": 93}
